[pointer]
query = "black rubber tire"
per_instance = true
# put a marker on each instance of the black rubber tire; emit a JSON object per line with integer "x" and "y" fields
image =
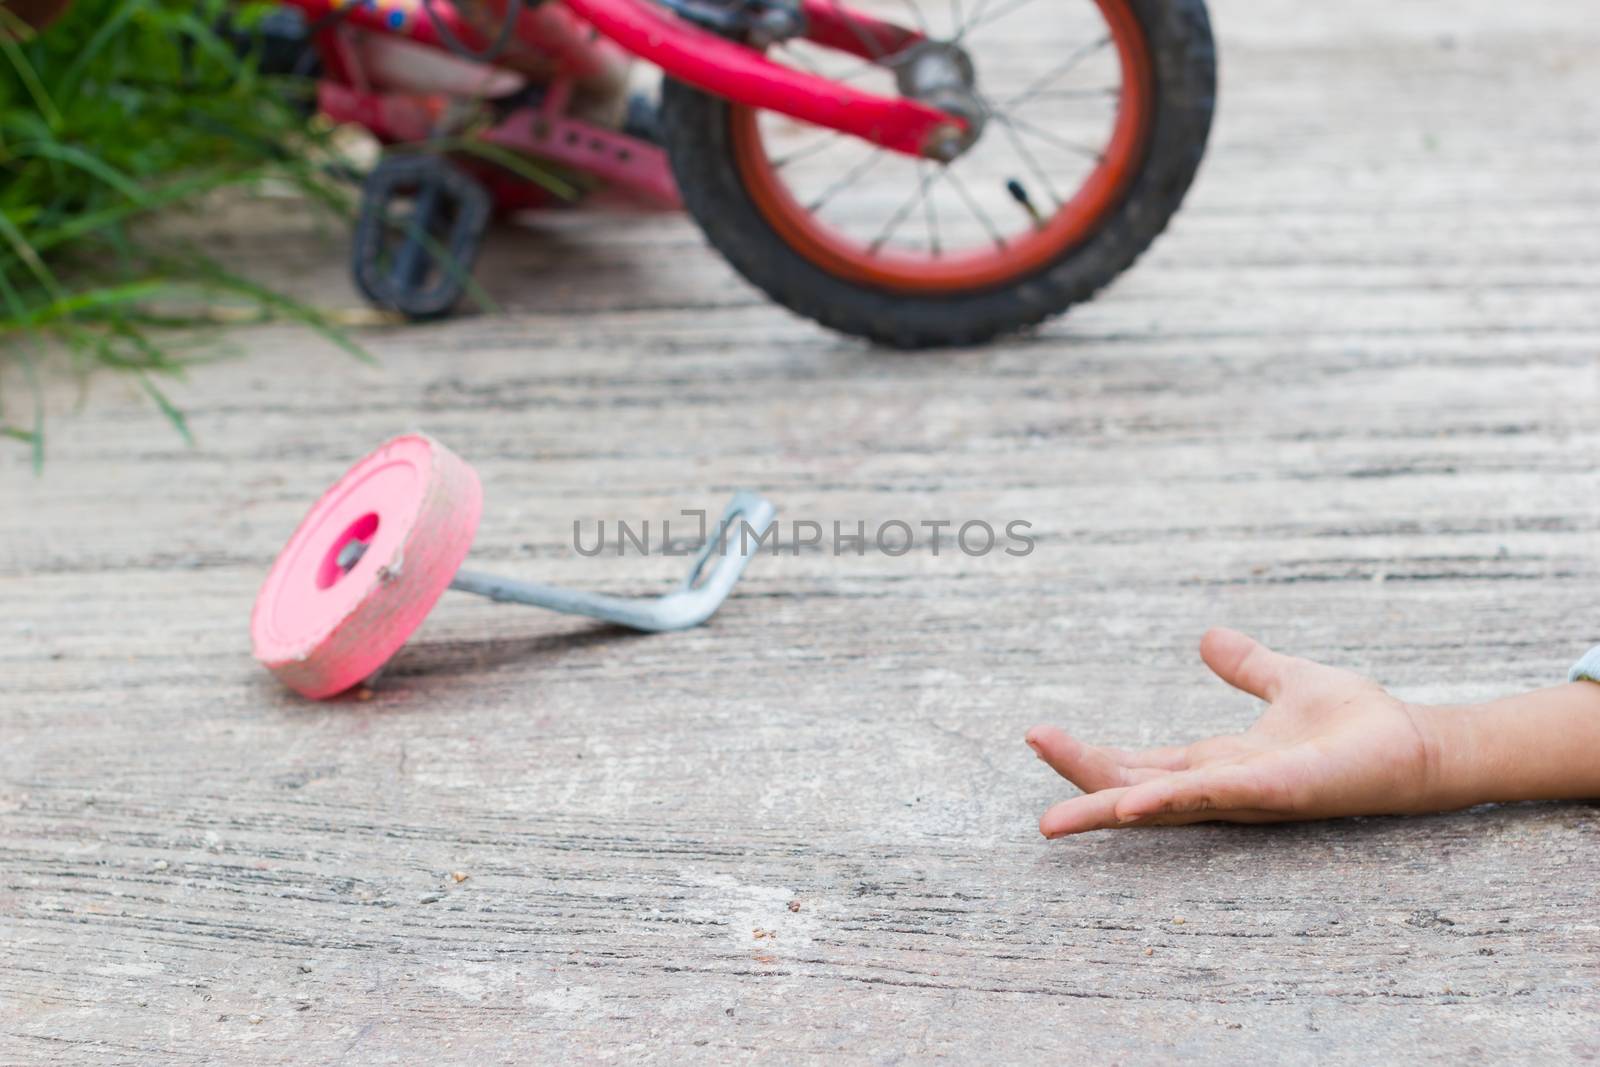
{"x": 1183, "y": 56}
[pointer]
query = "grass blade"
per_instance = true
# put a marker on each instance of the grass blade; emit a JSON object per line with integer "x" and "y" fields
{"x": 168, "y": 409}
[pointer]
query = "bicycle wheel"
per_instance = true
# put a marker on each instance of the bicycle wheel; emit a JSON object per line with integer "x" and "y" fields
{"x": 1092, "y": 116}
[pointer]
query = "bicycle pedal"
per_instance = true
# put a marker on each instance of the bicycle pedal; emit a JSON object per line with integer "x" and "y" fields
{"x": 417, "y": 260}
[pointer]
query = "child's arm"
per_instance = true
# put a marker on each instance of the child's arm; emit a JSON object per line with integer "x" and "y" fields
{"x": 1543, "y": 745}
{"x": 1332, "y": 743}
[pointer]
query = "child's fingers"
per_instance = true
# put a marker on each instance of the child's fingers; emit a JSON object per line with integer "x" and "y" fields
{"x": 1097, "y": 811}
{"x": 1242, "y": 815}
{"x": 1092, "y": 811}
{"x": 1170, "y": 758}
{"x": 1244, "y": 663}
{"x": 1084, "y": 765}
{"x": 1088, "y": 767}
{"x": 1227, "y": 787}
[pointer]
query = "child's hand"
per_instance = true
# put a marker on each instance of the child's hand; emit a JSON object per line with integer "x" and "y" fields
{"x": 1331, "y": 743}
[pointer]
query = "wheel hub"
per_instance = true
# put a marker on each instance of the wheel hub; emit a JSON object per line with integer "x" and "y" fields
{"x": 940, "y": 74}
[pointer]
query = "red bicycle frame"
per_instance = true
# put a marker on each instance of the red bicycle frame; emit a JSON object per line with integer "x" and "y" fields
{"x": 554, "y": 41}
{"x": 745, "y": 76}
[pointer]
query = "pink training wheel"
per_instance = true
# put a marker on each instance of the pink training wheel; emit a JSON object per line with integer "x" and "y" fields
{"x": 331, "y": 611}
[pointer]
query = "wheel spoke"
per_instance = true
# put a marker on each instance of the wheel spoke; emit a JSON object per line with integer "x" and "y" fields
{"x": 832, "y": 138}
{"x": 916, "y": 13}
{"x": 800, "y": 58}
{"x": 972, "y": 205}
{"x": 851, "y": 176}
{"x": 880, "y": 60}
{"x": 1012, "y": 122}
{"x": 873, "y": 47}
{"x": 885, "y": 64}
{"x": 1000, "y": 12}
{"x": 1043, "y": 81}
{"x": 1105, "y": 91}
{"x": 972, "y": 20}
{"x": 930, "y": 216}
{"x": 1029, "y": 161}
{"x": 905, "y": 209}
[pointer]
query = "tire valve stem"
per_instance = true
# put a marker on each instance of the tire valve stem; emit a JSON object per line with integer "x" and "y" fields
{"x": 1020, "y": 195}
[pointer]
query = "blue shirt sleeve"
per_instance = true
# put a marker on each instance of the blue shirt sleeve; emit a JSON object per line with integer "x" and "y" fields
{"x": 1587, "y": 668}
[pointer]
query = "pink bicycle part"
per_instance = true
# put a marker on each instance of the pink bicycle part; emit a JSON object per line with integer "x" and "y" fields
{"x": 322, "y": 627}
{"x": 743, "y": 75}
{"x": 638, "y": 167}
{"x": 560, "y": 35}
{"x": 375, "y": 553}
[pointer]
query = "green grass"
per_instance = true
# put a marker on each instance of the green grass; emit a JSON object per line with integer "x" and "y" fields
{"x": 122, "y": 109}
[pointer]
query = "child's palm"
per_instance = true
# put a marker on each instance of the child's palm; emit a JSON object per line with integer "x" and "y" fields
{"x": 1330, "y": 743}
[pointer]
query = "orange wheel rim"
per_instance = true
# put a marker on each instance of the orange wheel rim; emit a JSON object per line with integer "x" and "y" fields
{"x": 1074, "y": 221}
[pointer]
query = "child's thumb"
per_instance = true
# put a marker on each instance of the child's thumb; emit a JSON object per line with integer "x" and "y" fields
{"x": 1244, "y": 663}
